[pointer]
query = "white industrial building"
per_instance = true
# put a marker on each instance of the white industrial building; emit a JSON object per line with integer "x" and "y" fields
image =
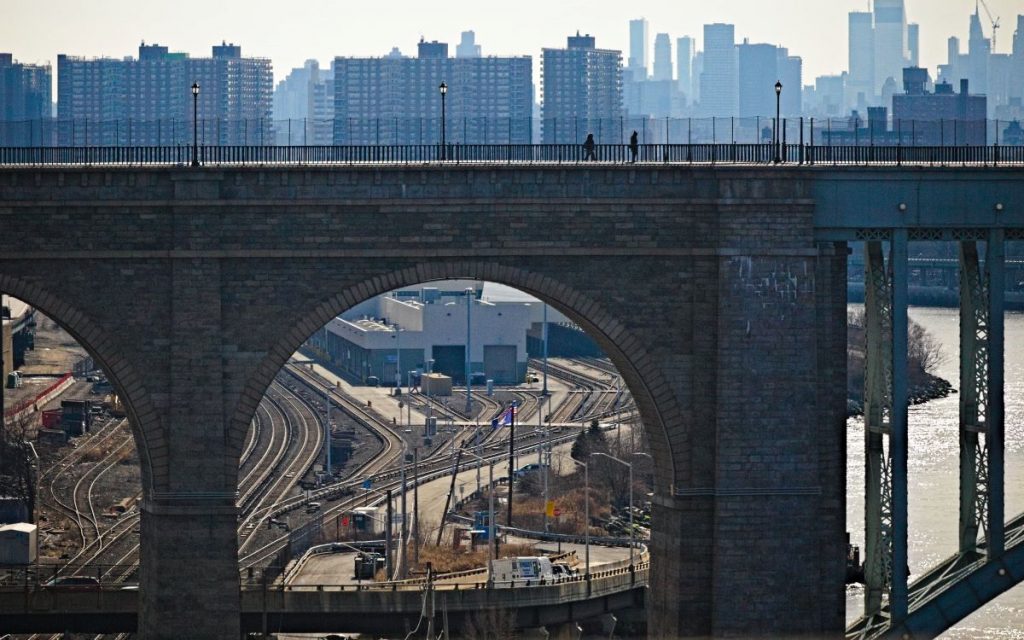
{"x": 425, "y": 329}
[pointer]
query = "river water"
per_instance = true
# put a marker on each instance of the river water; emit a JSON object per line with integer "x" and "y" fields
{"x": 934, "y": 475}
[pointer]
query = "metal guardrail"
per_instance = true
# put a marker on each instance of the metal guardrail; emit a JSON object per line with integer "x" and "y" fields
{"x": 496, "y": 154}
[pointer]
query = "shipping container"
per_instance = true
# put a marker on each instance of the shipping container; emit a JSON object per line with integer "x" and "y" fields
{"x": 52, "y": 418}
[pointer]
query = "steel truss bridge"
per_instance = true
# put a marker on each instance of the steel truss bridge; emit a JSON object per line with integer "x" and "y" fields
{"x": 990, "y": 555}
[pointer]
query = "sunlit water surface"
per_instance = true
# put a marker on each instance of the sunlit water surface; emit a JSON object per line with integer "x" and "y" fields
{"x": 934, "y": 475}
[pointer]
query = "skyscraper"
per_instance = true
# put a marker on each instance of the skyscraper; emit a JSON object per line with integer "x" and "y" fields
{"x": 891, "y": 51}
{"x": 582, "y": 92}
{"x": 861, "y": 80}
{"x": 758, "y": 72}
{"x": 979, "y": 48}
{"x": 684, "y": 67}
{"x": 638, "y": 48}
{"x": 662, "y": 57}
{"x": 395, "y": 99}
{"x": 791, "y": 76}
{"x": 914, "y": 43}
{"x": 719, "y": 79}
{"x": 25, "y": 91}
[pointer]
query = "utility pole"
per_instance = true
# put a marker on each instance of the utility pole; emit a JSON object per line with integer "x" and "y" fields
{"x": 544, "y": 329}
{"x": 405, "y": 524}
{"x": 416, "y": 505}
{"x": 469, "y": 364}
{"x": 511, "y": 460}
{"x": 388, "y": 556}
{"x": 327, "y": 432}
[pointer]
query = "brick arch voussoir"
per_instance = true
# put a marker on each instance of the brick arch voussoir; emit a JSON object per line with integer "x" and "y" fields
{"x": 638, "y": 369}
{"x": 124, "y": 377}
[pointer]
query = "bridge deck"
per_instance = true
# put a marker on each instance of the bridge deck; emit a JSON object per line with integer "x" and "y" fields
{"x": 372, "y": 608}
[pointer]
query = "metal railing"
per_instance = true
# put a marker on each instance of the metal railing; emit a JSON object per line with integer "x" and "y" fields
{"x": 518, "y": 154}
{"x": 387, "y": 131}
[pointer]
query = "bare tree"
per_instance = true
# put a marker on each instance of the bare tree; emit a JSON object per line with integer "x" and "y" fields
{"x": 490, "y": 624}
{"x": 18, "y": 463}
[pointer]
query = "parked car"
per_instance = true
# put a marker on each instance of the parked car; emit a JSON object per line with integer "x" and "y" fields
{"x": 72, "y": 582}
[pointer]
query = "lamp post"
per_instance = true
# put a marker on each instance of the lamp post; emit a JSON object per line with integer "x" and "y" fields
{"x": 632, "y": 531}
{"x": 398, "y": 357}
{"x": 586, "y": 514}
{"x": 778, "y": 122}
{"x": 444, "y": 91}
{"x": 195, "y": 124}
{"x": 469, "y": 362}
{"x": 387, "y": 528}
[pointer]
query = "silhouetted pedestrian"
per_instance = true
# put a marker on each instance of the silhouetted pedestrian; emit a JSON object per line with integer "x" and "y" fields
{"x": 634, "y": 147}
{"x": 588, "y": 148}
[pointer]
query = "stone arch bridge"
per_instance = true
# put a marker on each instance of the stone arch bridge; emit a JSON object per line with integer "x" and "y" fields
{"x": 718, "y": 292}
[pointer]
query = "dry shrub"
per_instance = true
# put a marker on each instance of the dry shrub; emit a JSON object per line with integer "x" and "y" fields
{"x": 490, "y": 624}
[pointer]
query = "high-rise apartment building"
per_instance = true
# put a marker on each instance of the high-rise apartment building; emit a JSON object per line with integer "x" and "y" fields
{"x": 662, "y": 57}
{"x": 25, "y": 91}
{"x": 148, "y": 101}
{"x": 638, "y": 48}
{"x": 720, "y": 77}
{"x": 304, "y": 106}
{"x": 942, "y": 117}
{"x": 582, "y": 92}
{"x": 861, "y": 80}
{"x": 891, "y": 51}
{"x": 684, "y": 67}
{"x": 396, "y": 99}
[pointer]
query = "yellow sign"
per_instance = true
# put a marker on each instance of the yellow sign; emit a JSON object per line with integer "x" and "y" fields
{"x": 550, "y": 508}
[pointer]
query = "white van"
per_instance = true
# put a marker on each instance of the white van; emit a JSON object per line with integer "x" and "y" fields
{"x": 516, "y": 572}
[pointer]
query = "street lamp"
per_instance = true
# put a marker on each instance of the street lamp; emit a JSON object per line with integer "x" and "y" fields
{"x": 632, "y": 531}
{"x": 778, "y": 122}
{"x": 387, "y": 527}
{"x": 444, "y": 91}
{"x": 398, "y": 357}
{"x": 586, "y": 513}
{"x": 195, "y": 124}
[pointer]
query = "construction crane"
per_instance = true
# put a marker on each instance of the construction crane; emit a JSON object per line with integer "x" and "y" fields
{"x": 994, "y": 21}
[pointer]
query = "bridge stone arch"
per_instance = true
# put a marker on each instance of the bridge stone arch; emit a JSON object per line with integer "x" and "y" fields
{"x": 657, "y": 406}
{"x": 103, "y": 347}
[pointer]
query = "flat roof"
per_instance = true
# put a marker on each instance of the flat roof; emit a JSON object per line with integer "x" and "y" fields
{"x": 23, "y": 527}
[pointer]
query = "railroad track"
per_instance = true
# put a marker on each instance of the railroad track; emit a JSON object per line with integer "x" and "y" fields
{"x": 50, "y": 478}
{"x": 307, "y": 435}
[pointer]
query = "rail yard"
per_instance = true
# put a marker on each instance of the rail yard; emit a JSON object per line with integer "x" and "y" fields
{"x": 88, "y": 490}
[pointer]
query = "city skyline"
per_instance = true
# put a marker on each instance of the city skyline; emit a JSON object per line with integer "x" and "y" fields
{"x": 37, "y": 35}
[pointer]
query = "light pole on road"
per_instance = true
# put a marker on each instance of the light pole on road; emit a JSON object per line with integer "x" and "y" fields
{"x": 632, "y": 531}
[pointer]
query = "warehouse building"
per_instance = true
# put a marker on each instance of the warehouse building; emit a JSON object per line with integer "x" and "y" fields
{"x": 414, "y": 331}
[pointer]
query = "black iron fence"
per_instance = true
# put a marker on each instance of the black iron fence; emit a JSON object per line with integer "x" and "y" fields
{"x": 68, "y": 577}
{"x": 727, "y": 153}
{"x": 390, "y": 131}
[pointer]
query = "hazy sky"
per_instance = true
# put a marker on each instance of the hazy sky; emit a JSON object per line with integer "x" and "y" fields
{"x": 290, "y": 32}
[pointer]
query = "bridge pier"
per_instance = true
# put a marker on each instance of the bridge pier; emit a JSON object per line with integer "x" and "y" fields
{"x": 193, "y": 543}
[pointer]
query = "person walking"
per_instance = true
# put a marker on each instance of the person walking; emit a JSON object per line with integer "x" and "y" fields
{"x": 588, "y": 148}
{"x": 634, "y": 147}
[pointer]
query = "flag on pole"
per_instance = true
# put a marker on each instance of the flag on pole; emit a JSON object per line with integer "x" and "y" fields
{"x": 508, "y": 415}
